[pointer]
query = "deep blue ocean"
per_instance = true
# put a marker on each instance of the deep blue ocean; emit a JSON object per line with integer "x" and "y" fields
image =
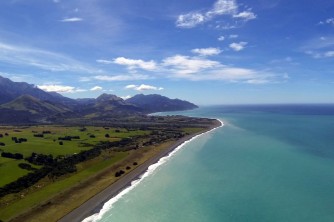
{"x": 266, "y": 164}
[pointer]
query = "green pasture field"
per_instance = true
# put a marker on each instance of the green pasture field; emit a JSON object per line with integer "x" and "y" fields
{"x": 49, "y": 144}
{"x": 10, "y": 171}
{"x": 59, "y": 186}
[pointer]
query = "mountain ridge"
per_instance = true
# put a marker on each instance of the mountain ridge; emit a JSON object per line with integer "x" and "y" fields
{"x": 157, "y": 103}
{"x": 20, "y": 101}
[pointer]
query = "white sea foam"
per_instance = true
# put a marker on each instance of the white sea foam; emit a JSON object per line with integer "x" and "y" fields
{"x": 109, "y": 204}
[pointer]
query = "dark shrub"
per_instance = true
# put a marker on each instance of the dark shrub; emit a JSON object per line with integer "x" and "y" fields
{"x": 26, "y": 166}
{"x": 83, "y": 129}
{"x": 17, "y": 156}
{"x": 119, "y": 173}
{"x": 21, "y": 140}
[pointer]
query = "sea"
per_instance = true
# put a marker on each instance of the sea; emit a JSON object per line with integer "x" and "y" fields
{"x": 266, "y": 163}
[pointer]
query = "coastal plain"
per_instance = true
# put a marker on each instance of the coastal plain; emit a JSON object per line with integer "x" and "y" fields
{"x": 52, "y": 197}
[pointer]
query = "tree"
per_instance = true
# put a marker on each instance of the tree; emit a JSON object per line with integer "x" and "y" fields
{"x": 17, "y": 156}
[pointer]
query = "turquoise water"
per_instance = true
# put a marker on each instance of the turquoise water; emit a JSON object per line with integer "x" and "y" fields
{"x": 267, "y": 163}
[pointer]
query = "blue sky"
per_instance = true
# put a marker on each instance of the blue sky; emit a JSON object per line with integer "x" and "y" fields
{"x": 208, "y": 52}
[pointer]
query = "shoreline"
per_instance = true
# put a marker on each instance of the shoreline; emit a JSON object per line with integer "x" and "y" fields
{"x": 95, "y": 204}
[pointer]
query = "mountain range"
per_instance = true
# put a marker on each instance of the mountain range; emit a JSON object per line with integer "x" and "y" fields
{"x": 21, "y": 102}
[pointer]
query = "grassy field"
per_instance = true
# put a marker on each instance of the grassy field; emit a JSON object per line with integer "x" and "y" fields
{"x": 92, "y": 184}
{"x": 9, "y": 170}
{"x": 49, "y": 144}
{"x": 49, "y": 190}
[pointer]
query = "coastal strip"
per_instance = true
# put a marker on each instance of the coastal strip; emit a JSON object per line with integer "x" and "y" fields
{"x": 95, "y": 207}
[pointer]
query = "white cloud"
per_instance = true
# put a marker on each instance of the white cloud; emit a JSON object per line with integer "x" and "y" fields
{"x": 238, "y": 46}
{"x": 135, "y": 63}
{"x": 319, "y": 49}
{"x": 96, "y": 88}
{"x": 221, "y": 38}
{"x": 103, "y": 61}
{"x": 126, "y": 97}
{"x": 143, "y": 87}
{"x": 198, "y": 69}
{"x": 187, "y": 65}
{"x": 327, "y": 21}
{"x": 329, "y": 54}
{"x": 190, "y": 20}
{"x": 195, "y": 68}
{"x": 330, "y": 21}
{"x": 233, "y": 36}
{"x": 74, "y": 19}
{"x": 327, "y": 42}
{"x": 257, "y": 81}
{"x": 207, "y": 51}
{"x": 126, "y": 77}
{"x": 220, "y": 8}
{"x": 80, "y": 90}
{"x": 225, "y": 73}
{"x": 130, "y": 86}
{"x": 319, "y": 55}
{"x": 246, "y": 15}
{"x": 226, "y": 25}
{"x": 223, "y": 7}
{"x": 57, "y": 88}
